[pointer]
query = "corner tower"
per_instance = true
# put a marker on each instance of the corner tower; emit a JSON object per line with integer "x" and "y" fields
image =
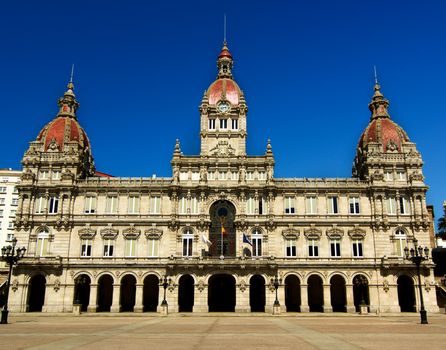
{"x": 223, "y": 113}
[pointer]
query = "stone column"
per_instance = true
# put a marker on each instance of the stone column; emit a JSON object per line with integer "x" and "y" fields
{"x": 327, "y": 299}
{"x": 374, "y": 297}
{"x": 304, "y": 298}
{"x": 242, "y": 298}
{"x": 200, "y": 298}
{"x": 93, "y": 304}
{"x": 139, "y": 298}
{"x": 350, "y": 305}
{"x": 116, "y": 304}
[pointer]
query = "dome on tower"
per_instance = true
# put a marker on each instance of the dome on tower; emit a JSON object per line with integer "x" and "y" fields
{"x": 224, "y": 88}
{"x": 64, "y": 128}
{"x": 382, "y": 129}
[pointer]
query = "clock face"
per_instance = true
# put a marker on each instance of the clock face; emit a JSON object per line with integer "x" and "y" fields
{"x": 223, "y": 106}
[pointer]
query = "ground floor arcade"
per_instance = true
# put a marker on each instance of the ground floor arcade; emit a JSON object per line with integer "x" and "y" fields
{"x": 217, "y": 291}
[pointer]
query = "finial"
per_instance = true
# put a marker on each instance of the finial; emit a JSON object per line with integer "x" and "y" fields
{"x": 224, "y": 29}
{"x": 376, "y": 75}
{"x": 72, "y": 73}
{"x": 177, "y": 149}
{"x": 269, "y": 148}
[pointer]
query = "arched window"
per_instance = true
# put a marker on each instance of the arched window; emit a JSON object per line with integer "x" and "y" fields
{"x": 256, "y": 239}
{"x": 400, "y": 242}
{"x": 188, "y": 238}
{"x": 42, "y": 243}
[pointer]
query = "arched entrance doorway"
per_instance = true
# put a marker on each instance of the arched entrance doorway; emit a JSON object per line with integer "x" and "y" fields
{"x": 360, "y": 291}
{"x": 406, "y": 294}
{"x": 257, "y": 293}
{"x": 337, "y": 294}
{"x": 36, "y": 293}
{"x": 221, "y": 293}
{"x": 186, "y": 294}
{"x": 128, "y": 293}
{"x": 222, "y": 214}
{"x": 105, "y": 293}
{"x": 82, "y": 291}
{"x": 150, "y": 293}
{"x": 292, "y": 293}
{"x": 315, "y": 294}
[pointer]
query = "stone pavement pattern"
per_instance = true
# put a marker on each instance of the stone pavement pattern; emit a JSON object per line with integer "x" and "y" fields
{"x": 221, "y": 332}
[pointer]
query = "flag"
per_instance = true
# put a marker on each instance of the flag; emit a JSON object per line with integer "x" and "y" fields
{"x": 206, "y": 241}
{"x": 246, "y": 240}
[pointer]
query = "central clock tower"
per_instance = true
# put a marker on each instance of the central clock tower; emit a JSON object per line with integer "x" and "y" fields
{"x": 223, "y": 113}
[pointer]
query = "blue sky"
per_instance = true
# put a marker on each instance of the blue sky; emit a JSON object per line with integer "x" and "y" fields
{"x": 306, "y": 68}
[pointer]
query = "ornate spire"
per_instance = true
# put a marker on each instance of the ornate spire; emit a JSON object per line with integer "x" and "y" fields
{"x": 269, "y": 148}
{"x": 177, "y": 149}
{"x": 379, "y": 104}
{"x": 225, "y": 62}
{"x": 68, "y": 103}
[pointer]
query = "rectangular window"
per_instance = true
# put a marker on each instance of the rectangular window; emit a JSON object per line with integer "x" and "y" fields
{"x": 223, "y": 123}
{"x": 44, "y": 174}
{"x": 263, "y": 206}
{"x": 9, "y": 237}
{"x": 39, "y": 205}
{"x": 313, "y": 248}
{"x": 357, "y": 249}
{"x": 130, "y": 248}
{"x": 55, "y": 175}
{"x": 194, "y": 205}
{"x": 90, "y": 205}
{"x": 234, "y": 175}
{"x": 290, "y": 247}
{"x": 333, "y": 205}
{"x": 182, "y": 205}
{"x": 1, "y": 213}
{"x": 133, "y": 205}
{"x": 234, "y": 124}
{"x": 109, "y": 245}
{"x": 388, "y": 175}
{"x": 250, "y": 206}
{"x": 184, "y": 176}
{"x": 86, "y": 247}
{"x": 195, "y": 176}
{"x": 400, "y": 242}
{"x": 211, "y": 175}
{"x": 335, "y": 248}
{"x": 256, "y": 245}
{"x": 16, "y": 190}
{"x": 187, "y": 245}
{"x": 111, "y": 205}
{"x": 211, "y": 124}
{"x": 12, "y": 213}
{"x": 354, "y": 205}
{"x": 249, "y": 175}
{"x": 155, "y": 204}
{"x": 153, "y": 245}
{"x": 2, "y": 200}
{"x": 262, "y": 175}
{"x": 311, "y": 205}
{"x": 15, "y": 201}
{"x": 222, "y": 175}
{"x": 404, "y": 206}
{"x": 53, "y": 205}
{"x": 11, "y": 225}
{"x": 42, "y": 244}
{"x": 391, "y": 206}
{"x": 400, "y": 175}
{"x": 289, "y": 205}
{"x": 2, "y": 189}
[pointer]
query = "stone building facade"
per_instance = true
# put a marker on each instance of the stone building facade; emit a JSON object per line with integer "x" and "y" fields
{"x": 223, "y": 226}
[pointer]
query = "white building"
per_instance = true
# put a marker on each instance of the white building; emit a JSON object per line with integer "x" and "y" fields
{"x": 9, "y": 199}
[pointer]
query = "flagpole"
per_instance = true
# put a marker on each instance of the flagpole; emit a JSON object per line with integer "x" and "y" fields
{"x": 221, "y": 233}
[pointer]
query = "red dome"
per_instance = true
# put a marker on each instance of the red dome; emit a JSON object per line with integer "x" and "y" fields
{"x": 224, "y": 89}
{"x": 225, "y": 53}
{"x": 386, "y": 132}
{"x": 61, "y": 130}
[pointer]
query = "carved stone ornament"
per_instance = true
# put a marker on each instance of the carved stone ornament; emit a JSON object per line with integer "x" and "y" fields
{"x": 377, "y": 176}
{"x": 335, "y": 233}
{"x": 171, "y": 287}
{"x": 56, "y": 285}
{"x": 222, "y": 149}
{"x": 15, "y": 285}
{"x": 53, "y": 146}
{"x": 386, "y": 286}
{"x": 242, "y": 286}
{"x": 173, "y": 224}
{"x": 67, "y": 175}
{"x": 87, "y": 233}
{"x": 428, "y": 285}
{"x": 416, "y": 176}
{"x": 27, "y": 175}
{"x": 117, "y": 273}
{"x": 131, "y": 232}
{"x": 201, "y": 286}
{"x": 392, "y": 146}
{"x": 109, "y": 233}
{"x": 153, "y": 233}
{"x": 271, "y": 224}
{"x": 356, "y": 233}
{"x": 202, "y": 224}
{"x": 241, "y": 224}
{"x": 290, "y": 233}
{"x": 313, "y": 233}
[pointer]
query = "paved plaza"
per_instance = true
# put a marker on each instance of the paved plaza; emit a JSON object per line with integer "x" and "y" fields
{"x": 222, "y": 332}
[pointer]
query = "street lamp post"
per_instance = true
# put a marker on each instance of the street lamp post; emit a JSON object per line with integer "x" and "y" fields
{"x": 276, "y": 282}
{"x": 166, "y": 283}
{"x": 415, "y": 255}
{"x": 361, "y": 282}
{"x": 11, "y": 255}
